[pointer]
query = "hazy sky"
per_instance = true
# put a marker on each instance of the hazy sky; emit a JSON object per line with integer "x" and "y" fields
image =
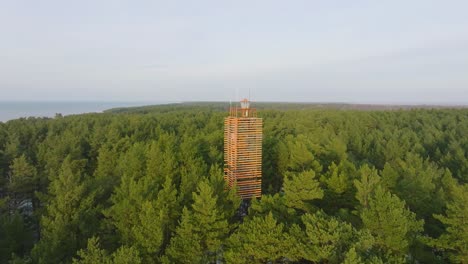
{"x": 340, "y": 51}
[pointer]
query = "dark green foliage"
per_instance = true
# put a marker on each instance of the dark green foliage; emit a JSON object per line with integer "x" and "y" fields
{"x": 276, "y": 205}
{"x": 146, "y": 185}
{"x": 185, "y": 246}
{"x": 202, "y": 229}
{"x": 15, "y": 238}
{"x": 23, "y": 179}
{"x": 339, "y": 190}
{"x": 325, "y": 238}
{"x": 94, "y": 254}
{"x": 300, "y": 189}
{"x": 366, "y": 186}
{"x": 210, "y": 222}
{"x": 260, "y": 240}
{"x": 420, "y": 183}
{"x": 69, "y": 216}
{"x": 162, "y": 160}
{"x": 228, "y": 200}
{"x": 394, "y": 227}
{"x": 106, "y": 174}
{"x": 455, "y": 240}
{"x": 352, "y": 257}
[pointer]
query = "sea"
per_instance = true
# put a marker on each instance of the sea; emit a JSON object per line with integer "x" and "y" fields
{"x": 10, "y": 110}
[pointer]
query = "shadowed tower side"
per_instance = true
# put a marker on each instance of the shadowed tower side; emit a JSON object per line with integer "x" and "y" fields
{"x": 243, "y": 150}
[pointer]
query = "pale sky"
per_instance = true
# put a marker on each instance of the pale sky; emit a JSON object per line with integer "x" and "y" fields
{"x": 412, "y": 51}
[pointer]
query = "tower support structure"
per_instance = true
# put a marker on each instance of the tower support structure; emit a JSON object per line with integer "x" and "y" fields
{"x": 243, "y": 150}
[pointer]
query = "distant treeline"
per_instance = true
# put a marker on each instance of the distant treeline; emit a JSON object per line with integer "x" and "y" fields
{"x": 145, "y": 185}
{"x": 282, "y": 106}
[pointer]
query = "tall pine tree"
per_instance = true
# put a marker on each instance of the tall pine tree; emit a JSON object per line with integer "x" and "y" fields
{"x": 69, "y": 217}
{"x": 455, "y": 239}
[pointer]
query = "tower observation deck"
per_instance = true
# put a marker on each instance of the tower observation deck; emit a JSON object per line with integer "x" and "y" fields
{"x": 243, "y": 150}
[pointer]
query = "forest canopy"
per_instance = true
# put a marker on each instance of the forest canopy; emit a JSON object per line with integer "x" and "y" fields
{"x": 146, "y": 185}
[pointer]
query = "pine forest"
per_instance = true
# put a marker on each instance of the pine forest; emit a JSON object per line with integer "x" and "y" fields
{"x": 145, "y": 185}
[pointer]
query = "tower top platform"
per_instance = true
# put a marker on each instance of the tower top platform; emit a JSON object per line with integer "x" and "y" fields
{"x": 243, "y": 111}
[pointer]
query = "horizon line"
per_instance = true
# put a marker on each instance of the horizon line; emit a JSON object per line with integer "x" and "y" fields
{"x": 258, "y": 101}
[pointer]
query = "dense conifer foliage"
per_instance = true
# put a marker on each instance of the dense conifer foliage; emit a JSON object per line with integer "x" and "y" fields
{"x": 146, "y": 185}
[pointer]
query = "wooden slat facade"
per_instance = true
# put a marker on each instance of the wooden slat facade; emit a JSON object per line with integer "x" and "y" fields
{"x": 243, "y": 151}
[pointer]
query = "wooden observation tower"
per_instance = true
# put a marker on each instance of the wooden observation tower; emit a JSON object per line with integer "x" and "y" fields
{"x": 243, "y": 150}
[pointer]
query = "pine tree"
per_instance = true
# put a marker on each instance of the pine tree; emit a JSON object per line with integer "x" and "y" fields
{"x": 185, "y": 246}
{"x": 455, "y": 239}
{"x": 207, "y": 226}
{"x": 338, "y": 190}
{"x": 168, "y": 208}
{"x": 259, "y": 240}
{"x": 143, "y": 215}
{"x": 106, "y": 174}
{"x": 15, "y": 238}
{"x": 390, "y": 176}
{"x": 93, "y": 254}
{"x": 366, "y": 185}
{"x": 191, "y": 172}
{"x": 23, "y": 181}
{"x": 69, "y": 217}
{"x": 335, "y": 150}
{"x": 337, "y": 180}
{"x": 148, "y": 234}
{"x": 156, "y": 222}
{"x": 132, "y": 163}
{"x": 208, "y": 218}
{"x": 300, "y": 189}
{"x": 326, "y": 238}
{"x": 294, "y": 155}
{"x": 390, "y": 222}
{"x": 162, "y": 160}
{"x": 276, "y": 205}
{"x": 228, "y": 200}
{"x": 127, "y": 200}
{"x": 126, "y": 255}
{"x": 420, "y": 183}
{"x": 352, "y": 257}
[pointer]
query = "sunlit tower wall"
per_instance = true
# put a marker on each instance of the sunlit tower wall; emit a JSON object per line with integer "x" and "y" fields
{"x": 243, "y": 150}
